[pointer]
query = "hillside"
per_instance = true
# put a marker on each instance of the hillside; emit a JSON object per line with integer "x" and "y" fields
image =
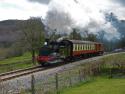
{"x": 9, "y": 31}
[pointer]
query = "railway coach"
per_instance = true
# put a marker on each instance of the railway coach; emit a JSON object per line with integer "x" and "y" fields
{"x": 55, "y": 52}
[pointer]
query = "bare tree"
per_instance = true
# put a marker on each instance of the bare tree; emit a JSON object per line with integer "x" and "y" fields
{"x": 33, "y": 34}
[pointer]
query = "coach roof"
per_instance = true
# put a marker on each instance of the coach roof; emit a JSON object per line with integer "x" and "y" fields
{"x": 80, "y": 42}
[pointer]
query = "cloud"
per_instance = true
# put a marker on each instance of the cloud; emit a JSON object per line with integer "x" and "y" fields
{"x": 122, "y": 2}
{"x": 85, "y": 14}
{"x": 64, "y": 15}
{"x": 21, "y": 9}
{"x": 41, "y": 1}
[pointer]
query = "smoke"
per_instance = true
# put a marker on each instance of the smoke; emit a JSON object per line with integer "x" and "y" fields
{"x": 63, "y": 15}
{"x": 41, "y": 1}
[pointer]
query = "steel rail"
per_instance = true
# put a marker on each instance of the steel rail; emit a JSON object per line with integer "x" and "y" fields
{"x": 21, "y": 72}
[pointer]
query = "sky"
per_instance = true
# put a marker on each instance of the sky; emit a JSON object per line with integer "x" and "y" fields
{"x": 23, "y": 9}
{"x": 63, "y": 15}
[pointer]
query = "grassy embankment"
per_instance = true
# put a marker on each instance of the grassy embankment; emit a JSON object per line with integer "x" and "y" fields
{"x": 101, "y": 85}
{"x": 15, "y": 63}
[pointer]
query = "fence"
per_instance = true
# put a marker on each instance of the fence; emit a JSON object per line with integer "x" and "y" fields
{"x": 59, "y": 81}
{"x": 55, "y": 82}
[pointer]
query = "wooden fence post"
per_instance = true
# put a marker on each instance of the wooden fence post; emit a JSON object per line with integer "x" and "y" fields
{"x": 83, "y": 74}
{"x": 70, "y": 80}
{"x": 80, "y": 76}
{"x": 110, "y": 72}
{"x": 57, "y": 84}
{"x": 32, "y": 84}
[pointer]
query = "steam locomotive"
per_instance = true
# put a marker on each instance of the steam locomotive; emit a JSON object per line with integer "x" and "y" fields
{"x": 60, "y": 51}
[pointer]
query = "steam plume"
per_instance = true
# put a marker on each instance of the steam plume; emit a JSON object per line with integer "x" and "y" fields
{"x": 63, "y": 15}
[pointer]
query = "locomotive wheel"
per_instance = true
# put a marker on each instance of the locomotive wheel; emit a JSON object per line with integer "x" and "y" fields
{"x": 42, "y": 64}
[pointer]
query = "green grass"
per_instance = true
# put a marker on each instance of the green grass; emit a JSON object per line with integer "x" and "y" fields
{"x": 116, "y": 58}
{"x": 16, "y": 63}
{"x": 25, "y": 57}
{"x": 101, "y": 85}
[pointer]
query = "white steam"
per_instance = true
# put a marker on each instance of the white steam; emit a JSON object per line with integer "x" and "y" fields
{"x": 63, "y": 15}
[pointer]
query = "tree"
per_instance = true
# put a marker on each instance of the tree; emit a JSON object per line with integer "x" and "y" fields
{"x": 33, "y": 34}
{"x": 75, "y": 35}
{"x": 101, "y": 36}
{"x": 122, "y": 42}
{"x": 89, "y": 36}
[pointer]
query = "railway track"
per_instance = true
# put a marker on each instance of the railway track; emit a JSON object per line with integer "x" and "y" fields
{"x": 13, "y": 74}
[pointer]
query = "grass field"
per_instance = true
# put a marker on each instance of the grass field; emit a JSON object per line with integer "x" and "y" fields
{"x": 25, "y": 57}
{"x": 101, "y": 85}
{"x": 16, "y": 63}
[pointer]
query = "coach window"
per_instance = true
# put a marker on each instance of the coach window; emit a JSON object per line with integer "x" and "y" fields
{"x": 90, "y": 47}
{"x": 73, "y": 47}
{"x": 85, "y": 47}
{"x": 81, "y": 46}
{"x": 77, "y": 47}
{"x": 93, "y": 47}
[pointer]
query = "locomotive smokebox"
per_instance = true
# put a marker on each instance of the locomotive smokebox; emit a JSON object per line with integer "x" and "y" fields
{"x": 46, "y": 41}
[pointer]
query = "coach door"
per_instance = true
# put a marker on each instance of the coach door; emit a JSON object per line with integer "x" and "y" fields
{"x": 65, "y": 51}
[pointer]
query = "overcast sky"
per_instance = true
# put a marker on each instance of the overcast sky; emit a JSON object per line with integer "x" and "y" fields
{"x": 23, "y": 9}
